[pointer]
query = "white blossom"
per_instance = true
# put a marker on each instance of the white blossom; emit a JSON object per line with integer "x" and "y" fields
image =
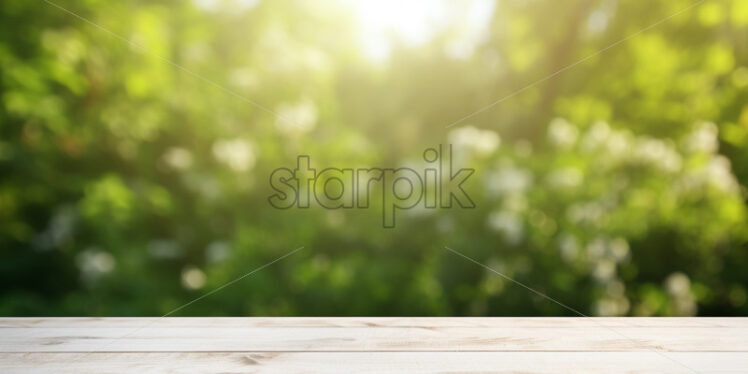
{"x": 561, "y": 133}
{"x": 178, "y": 158}
{"x": 479, "y": 142}
{"x": 296, "y": 118}
{"x": 193, "y": 278}
{"x": 235, "y": 153}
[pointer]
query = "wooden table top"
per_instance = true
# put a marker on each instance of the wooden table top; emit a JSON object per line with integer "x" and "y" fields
{"x": 373, "y": 345}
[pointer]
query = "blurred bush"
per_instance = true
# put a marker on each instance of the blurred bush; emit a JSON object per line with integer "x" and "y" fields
{"x": 130, "y": 186}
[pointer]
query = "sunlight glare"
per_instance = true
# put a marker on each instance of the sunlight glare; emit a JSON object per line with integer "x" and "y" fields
{"x": 412, "y": 23}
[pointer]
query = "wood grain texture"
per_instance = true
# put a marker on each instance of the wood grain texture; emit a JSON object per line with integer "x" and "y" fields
{"x": 363, "y": 345}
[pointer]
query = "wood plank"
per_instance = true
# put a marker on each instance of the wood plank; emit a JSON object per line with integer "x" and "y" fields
{"x": 374, "y": 362}
{"x": 368, "y": 345}
{"x": 514, "y": 334}
{"x": 366, "y": 339}
{"x": 424, "y": 322}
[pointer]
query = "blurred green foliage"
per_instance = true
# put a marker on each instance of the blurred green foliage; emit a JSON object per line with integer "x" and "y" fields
{"x": 129, "y": 186}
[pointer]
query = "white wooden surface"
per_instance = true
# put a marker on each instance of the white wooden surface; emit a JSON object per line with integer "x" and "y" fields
{"x": 373, "y": 345}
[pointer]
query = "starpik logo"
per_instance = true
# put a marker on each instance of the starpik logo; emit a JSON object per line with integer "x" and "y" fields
{"x": 436, "y": 186}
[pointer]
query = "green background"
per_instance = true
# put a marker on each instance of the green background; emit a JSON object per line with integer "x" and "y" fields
{"x": 129, "y": 186}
